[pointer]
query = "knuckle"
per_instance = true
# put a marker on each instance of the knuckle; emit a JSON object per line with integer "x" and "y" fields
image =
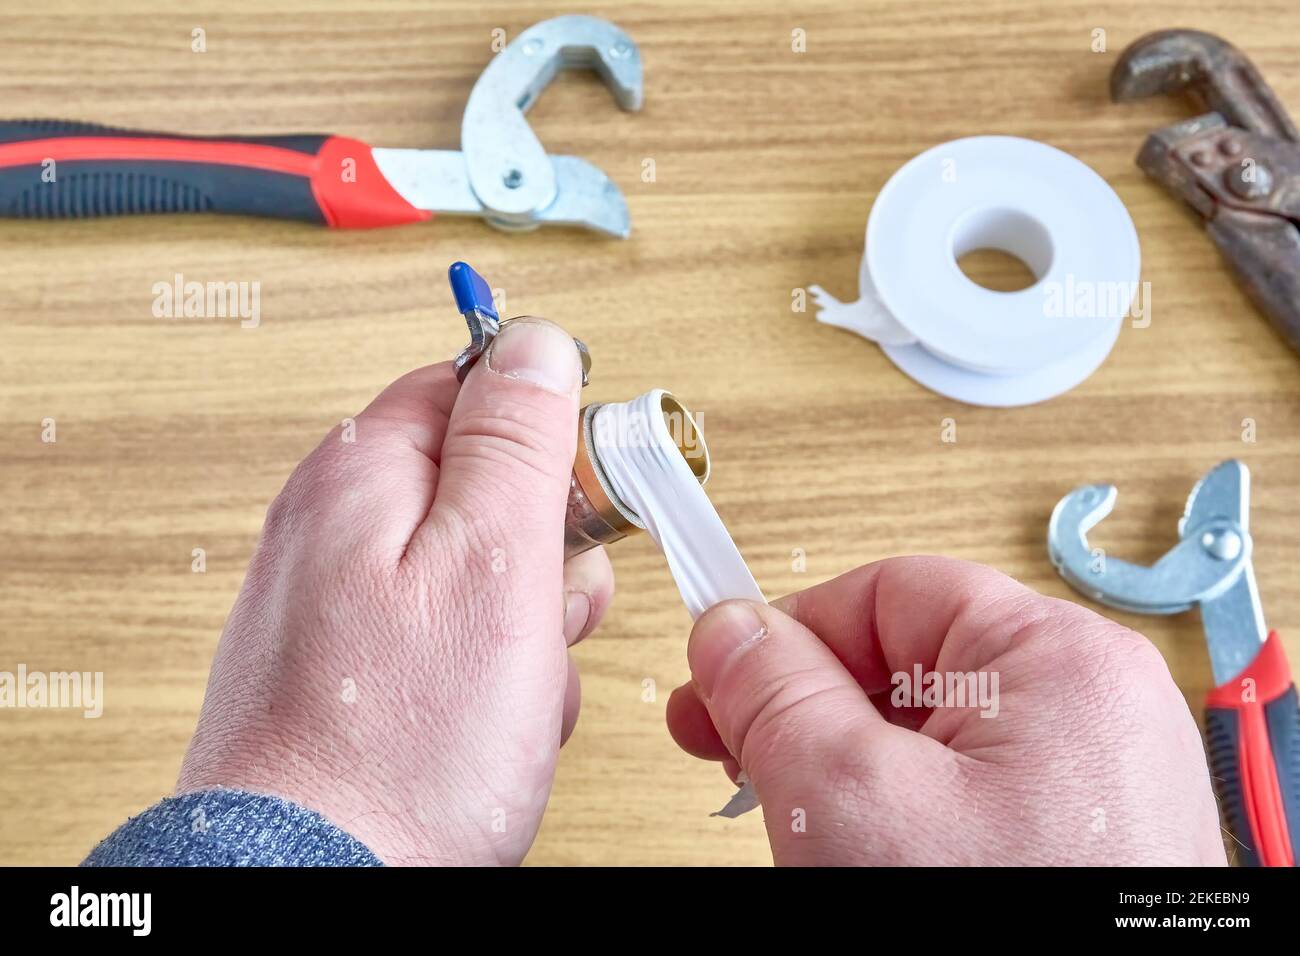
{"x": 1133, "y": 668}
{"x": 287, "y": 513}
{"x": 318, "y": 476}
{"x": 321, "y": 492}
{"x": 1131, "y": 653}
{"x": 1101, "y": 647}
{"x": 1116, "y": 671}
{"x": 281, "y": 516}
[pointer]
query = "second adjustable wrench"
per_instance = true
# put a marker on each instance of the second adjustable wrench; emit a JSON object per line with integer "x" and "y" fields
{"x": 51, "y": 169}
{"x": 1252, "y": 716}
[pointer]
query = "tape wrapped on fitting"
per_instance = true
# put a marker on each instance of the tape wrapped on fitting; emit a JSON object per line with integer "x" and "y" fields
{"x": 644, "y": 465}
{"x": 974, "y": 344}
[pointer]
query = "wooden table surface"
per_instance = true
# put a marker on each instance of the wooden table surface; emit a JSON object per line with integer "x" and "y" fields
{"x": 175, "y": 434}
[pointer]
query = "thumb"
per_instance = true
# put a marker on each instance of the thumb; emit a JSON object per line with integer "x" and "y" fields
{"x": 508, "y": 452}
{"x": 781, "y": 701}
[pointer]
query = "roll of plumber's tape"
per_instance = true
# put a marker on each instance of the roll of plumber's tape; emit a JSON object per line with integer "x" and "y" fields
{"x": 974, "y": 344}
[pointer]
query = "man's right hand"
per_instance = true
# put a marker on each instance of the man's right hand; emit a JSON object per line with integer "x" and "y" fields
{"x": 1079, "y": 749}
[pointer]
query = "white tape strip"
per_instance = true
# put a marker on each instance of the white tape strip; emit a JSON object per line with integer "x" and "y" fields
{"x": 647, "y": 472}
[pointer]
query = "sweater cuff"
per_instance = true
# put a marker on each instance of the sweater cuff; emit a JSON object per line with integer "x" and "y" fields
{"x": 230, "y": 828}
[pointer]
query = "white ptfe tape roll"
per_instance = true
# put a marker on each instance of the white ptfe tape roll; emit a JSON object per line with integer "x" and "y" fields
{"x": 974, "y": 344}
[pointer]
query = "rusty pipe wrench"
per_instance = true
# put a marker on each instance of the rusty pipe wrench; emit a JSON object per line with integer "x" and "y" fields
{"x": 1252, "y": 715}
{"x": 1238, "y": 165}
{"x": 52, "y": 169}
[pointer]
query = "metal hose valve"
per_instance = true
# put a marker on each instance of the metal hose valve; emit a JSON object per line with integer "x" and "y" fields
{"x": 595, "y": 514}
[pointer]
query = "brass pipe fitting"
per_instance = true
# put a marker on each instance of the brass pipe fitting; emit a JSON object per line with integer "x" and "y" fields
{"x": 595, "y": 514}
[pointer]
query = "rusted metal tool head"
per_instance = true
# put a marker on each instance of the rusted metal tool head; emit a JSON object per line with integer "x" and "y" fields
{"x": 1238, "y": 166}
{"x": 1209, "y": 67}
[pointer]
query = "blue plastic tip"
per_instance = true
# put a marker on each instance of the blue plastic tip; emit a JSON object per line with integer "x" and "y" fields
{"x": 471, "y": 290}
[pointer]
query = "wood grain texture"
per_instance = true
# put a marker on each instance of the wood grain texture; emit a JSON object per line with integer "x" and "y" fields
{"x": 174, "y": 435}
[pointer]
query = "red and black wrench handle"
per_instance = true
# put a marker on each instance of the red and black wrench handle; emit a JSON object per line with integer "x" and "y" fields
{"x": 51, "y": 169}
{"x": 1253, "y": 731}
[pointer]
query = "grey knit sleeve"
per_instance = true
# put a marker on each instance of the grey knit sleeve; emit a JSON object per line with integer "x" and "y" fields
{"x": 230, "y": 828}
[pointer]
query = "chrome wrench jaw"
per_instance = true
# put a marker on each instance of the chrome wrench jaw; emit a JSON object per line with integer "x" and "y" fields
{"x": 518, "y": 185}
{"x": 1196, "y": 570}
{"x": 1209, "y": 568}
{"x": 1217, "y": 517}
{"x": 1067, "y": 535}
{"x": 1234, "y": 627}
{"x": 1093, "y": 573}
{"x": 586, "y": 197}
{"x": 1252, "y": 720}
{"x": 1222, "y": 494}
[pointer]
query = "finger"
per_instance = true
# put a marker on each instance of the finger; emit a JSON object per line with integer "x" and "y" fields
{"x": 415, "y": 408}
{"x": 691, "y": 726}
{"x": 572, "y": 703}
{"x": 776, "y": 693}
{"x": 370, "y": 482}
{"x": 588, "y": 591}
{"x": 401, "y": 433}
{"x": 508, "y": 453}
{"x": 888, "y": 616}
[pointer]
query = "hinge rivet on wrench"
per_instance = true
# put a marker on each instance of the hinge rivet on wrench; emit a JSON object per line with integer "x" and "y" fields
{"x": 1224, "y": 545}
{"x": 1257, "y": 186}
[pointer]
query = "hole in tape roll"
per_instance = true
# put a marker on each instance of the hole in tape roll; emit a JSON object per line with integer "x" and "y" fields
{"x": 1004, "y": 250}
{"x": 996, "y": 270}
